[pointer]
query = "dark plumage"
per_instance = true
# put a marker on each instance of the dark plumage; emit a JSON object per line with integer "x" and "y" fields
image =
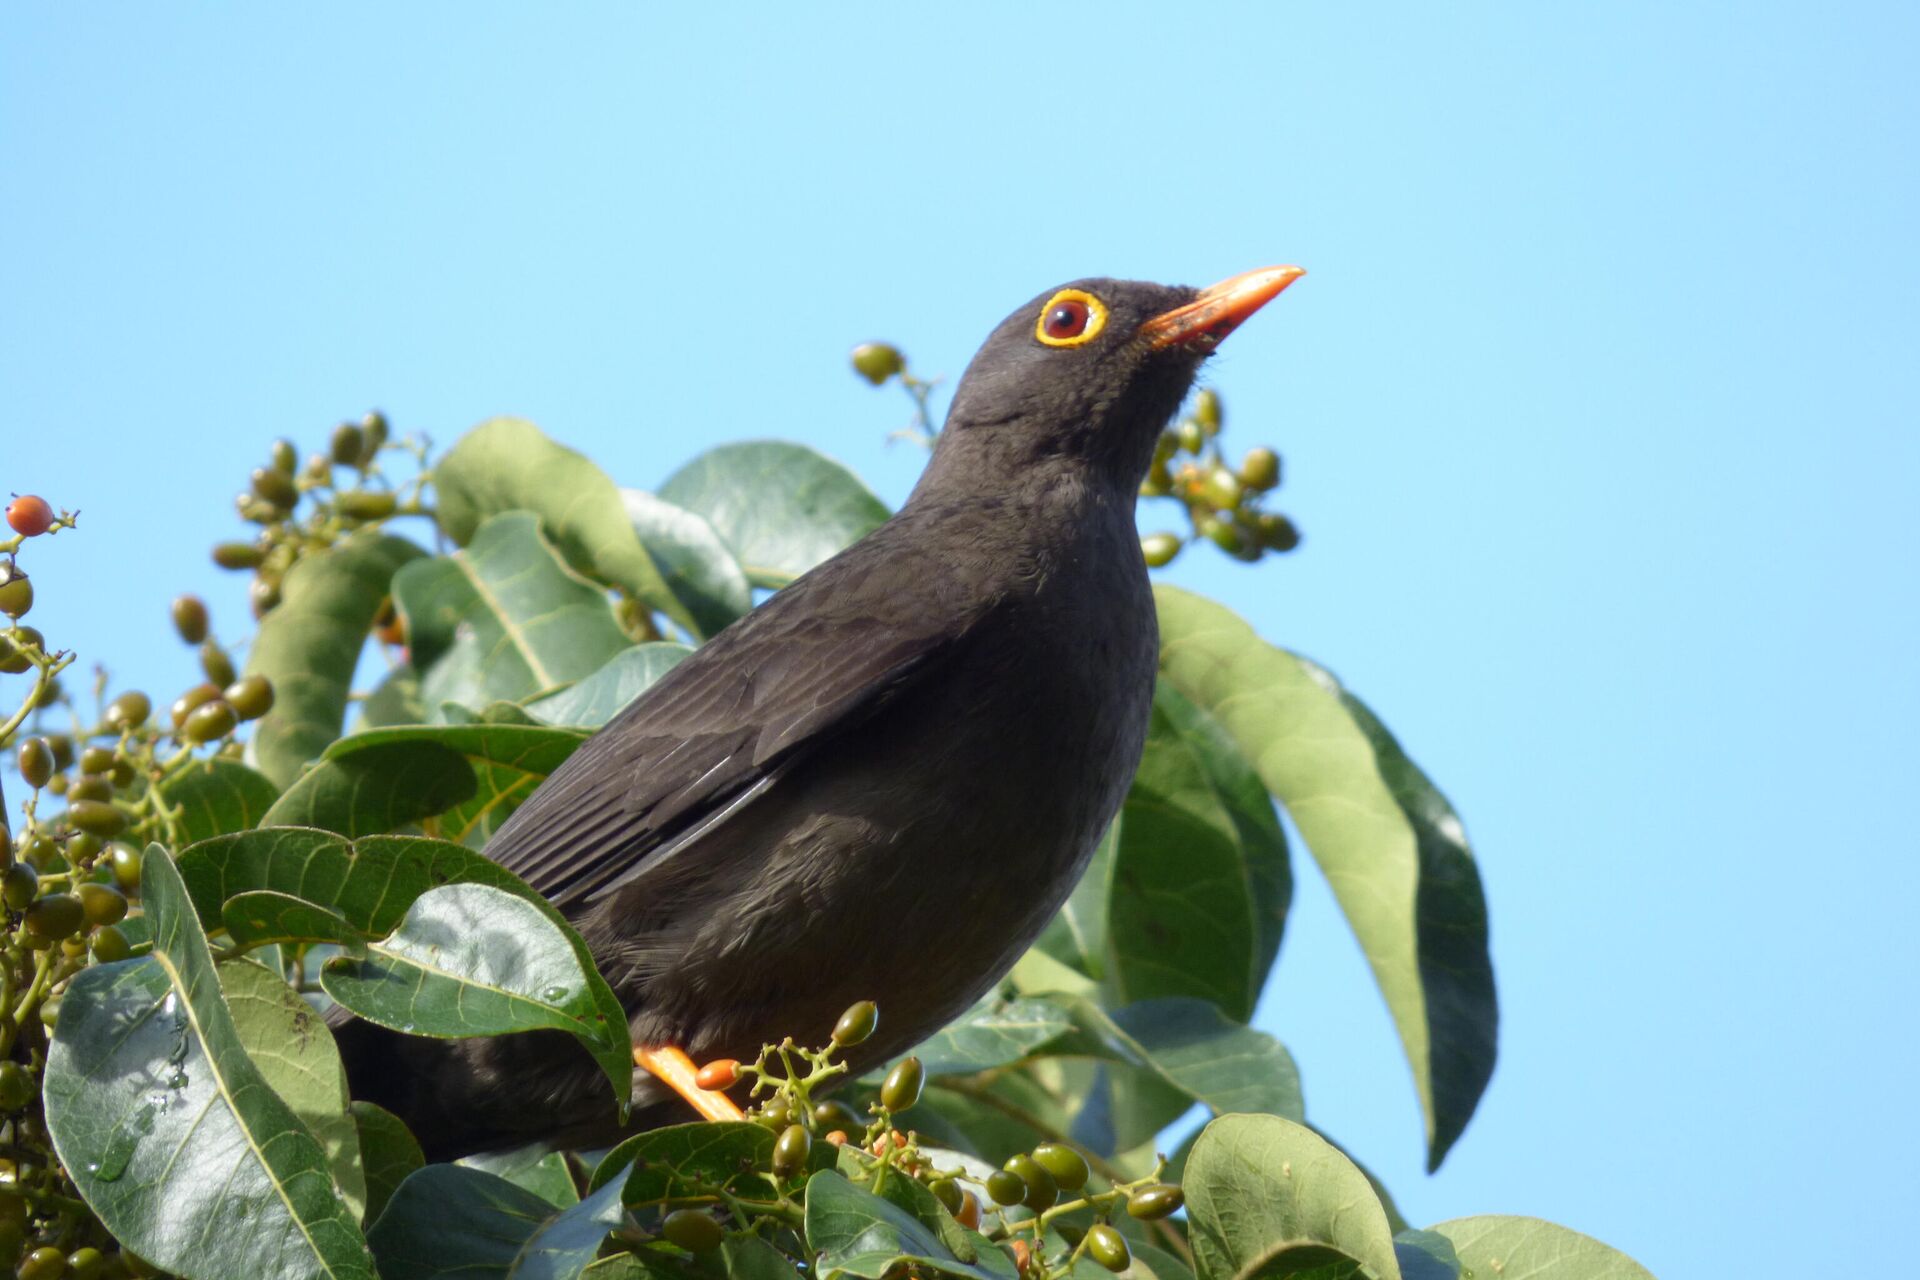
{"x": 881, "y": 783}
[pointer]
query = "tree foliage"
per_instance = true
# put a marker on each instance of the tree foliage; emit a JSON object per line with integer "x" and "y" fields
{"x": 186, "y": 889}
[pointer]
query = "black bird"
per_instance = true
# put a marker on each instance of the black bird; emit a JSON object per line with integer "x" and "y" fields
{"x": 881, "y": 783}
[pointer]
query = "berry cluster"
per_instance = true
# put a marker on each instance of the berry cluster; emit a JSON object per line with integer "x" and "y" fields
{"x": 305, "y": 509}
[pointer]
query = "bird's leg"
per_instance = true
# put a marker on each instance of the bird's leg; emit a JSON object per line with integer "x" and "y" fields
{"x": 672, "y": 1067}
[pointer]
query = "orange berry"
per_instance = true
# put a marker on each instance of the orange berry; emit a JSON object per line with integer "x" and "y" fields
{"x": 969, "y": 1215}
{"x": 1022, "y": 1254}
{"x": 30, "y": 515}
{"x": 838, "y": 1138}
{"x": 721, "y": 1073}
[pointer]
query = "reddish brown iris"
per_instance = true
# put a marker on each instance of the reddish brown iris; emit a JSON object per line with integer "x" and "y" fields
{"x": 1067, "y": 319}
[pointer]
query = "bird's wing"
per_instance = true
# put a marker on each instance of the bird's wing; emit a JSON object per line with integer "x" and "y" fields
{"x": 718, "y": 729}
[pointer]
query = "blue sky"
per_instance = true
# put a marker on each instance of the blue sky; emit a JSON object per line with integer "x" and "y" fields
{"x": 1598, "y": 408}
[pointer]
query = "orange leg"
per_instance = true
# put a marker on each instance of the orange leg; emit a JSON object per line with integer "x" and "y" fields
{"x": 673, "y": 1068}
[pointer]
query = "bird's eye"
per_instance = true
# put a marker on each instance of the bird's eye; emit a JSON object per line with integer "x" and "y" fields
{"x": 1071, "y": 317}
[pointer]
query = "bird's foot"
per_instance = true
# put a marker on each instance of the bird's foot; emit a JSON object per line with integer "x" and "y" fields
{"x": 672, "y": 1067}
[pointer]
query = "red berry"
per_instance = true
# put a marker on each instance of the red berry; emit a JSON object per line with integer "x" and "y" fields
{"x": 30, "y": 515}
{"x": 719, "y": 1074}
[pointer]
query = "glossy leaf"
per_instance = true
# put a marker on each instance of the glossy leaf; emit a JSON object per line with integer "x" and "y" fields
{"x": 604, "y": 694}
{"x": 170, "y": 1129}
{"x": 504, "y": 618}
{"x": 675, "y": 1161}
{"x": 1267, "y": 1197}
{"x": 509, "y": 465}
{"x": 1393, "y": 851}
{"x": 782, "y": 508}
{"x": 539, "y": 1170}
{"x": 860, "y": 1234}
{"x": 1499, "y": 1245}
{"x": 290, "y": 1044}
{"x": 352, "y": 786}
{"x": 388, "y": 1153}
{"x": 310, "y": 643}
{"x": 474, "y": 960}
{"x": 1197, "y": 884}
{"x": 694, "y": 560}
{"x": 264, "y": 916}
{"x": 371, "y": 883}
{"x": 216, "y": 796}
{"x": 370, "y": 788}
{"x": 449, "y": 1220}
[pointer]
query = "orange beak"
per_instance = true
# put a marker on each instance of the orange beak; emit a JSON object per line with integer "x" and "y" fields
{"x": 1219, "y": 309}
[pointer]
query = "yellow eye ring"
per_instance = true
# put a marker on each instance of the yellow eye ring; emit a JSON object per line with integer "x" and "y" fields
{"x": 1070, "y": 318}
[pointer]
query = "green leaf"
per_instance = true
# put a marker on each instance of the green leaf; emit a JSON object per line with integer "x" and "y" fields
{"x": 1267, "y": 1197}
{"x": 449, "y": 1220}
{"x": 474, "y": 960}
{"x": 539, "y": 1170}
{"x": 388, "y": 1153}
{"x": 171, "y": 1131}
{"x": 371, "y": 883}
{"x": 1211, "y": 1059}
{"x": 264, "y": 916}
{"x": 310, "y": 643}
{"x": 503, "y": 619}
{"x": 699, "y": 569}
{"x": 681, "y": 1160}
{"x": 1197, "y": 883}
{"x": 369, "y": 788}
{"x": 781, "y": 508}
{"x": 1393, "y": 851}
{"x": 395, "y": 700}
{"x": 605, "y": 693}
{"x": 508, "y": 465}
{"x": 290, "y": 1044}
{"x": 216, "y": 796}
{"x": 994, "y": 1033}
{"x": 385, "y": 778}
{"x": 1516, "y": 1248}
{"x": 860, "y": 1234}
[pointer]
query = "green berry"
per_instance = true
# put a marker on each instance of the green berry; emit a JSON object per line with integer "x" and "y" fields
{"x": 1223, "y": 534}
{"x": 1159, "y": 549}
{"x": 17, "y": 1086}
{"x": 211, "y": 720}
{"x": 110, "y": 945}
{"x": 125, "y": 861}
{"x": 1068, "y": 1167}
{"x": 1260, "y": 469}
{"x": 1277, "y": 533}
{"x": 36, "y": 762}
{"x": 948, "y": 1193}
{"x": 1224, "y": 489}
{"x": 877, "y": 361}
{"x": 272, "y": 485}
{"x": 96, "y": 818}
{"x": 238, "y": 555}
{"x": 44, "y": 1263}
{"x": 96, "y": 760}
{"x": 1155, "y": 1201}
{"x": 263, "y": 594}
{"x": 901, "y": 1089}
{"x": 373, "y": 434}
{"x": 13, "y": 657}
{"x": 192, "y": 700}
{"x": 1208, "y": 411}
{"x": 366, "y": 504}
{"x": 1189, "y": 437}
{"x": 16, "y": 592}
{"x": 790, "y": 1151}
{"x": 1108, "y": 1247}
{"x": 1006, "y": 1187}
{"x": 692, "y": 1230}
{"x": 129, "y": 711}
{"x": 190, "y": 618}
{"x": 834, "y": 1114}
{"x": 90, "y": 786}
{"x": 55, "y": 916}
{"x": 86, "y": 1264}
{"x": 81, "y": 846}
{"x": 346, "y": 445}
{"x": 216, "y": 664}
{"x": 103, "y": 904}
{"x": 856, "y": 1024}
{"x": 251, "y": 697}
{"x": 285, "y": 457}
{"x": 36, "y": 850}
{"x": 1042, "y": 1190}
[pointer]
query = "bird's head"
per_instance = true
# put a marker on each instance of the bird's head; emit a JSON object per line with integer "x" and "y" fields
{"x": 1093, "y": 370}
